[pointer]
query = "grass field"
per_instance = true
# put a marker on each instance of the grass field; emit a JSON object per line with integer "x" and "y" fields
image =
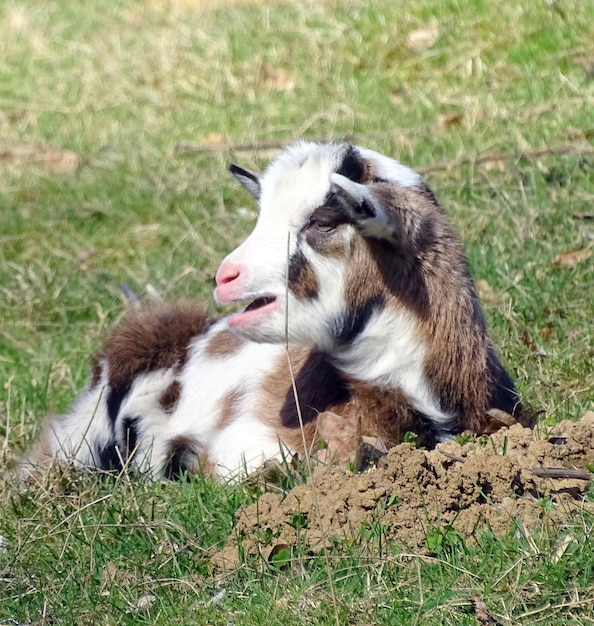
{"x": 117, "y": 123}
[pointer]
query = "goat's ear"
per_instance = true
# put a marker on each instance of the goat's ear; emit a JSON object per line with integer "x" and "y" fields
{"x": 353, "y": 196}
{"x": 352, "y": 165}
{"x": 365, "y": 213}
{"x": 250, "y": 180}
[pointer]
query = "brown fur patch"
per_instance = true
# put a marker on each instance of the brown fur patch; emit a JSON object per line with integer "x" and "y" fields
{"x": 230, "y": 407}
{"x": 224, "y": 344}
{"x": 277, "y": 398}
{"x": 370, "y": 174}
{"x": 152, "y": 338}
{"x": 384, "y": 413}
{"x": 96, "y": 372}
{"x": 303, "y": 281}
{"x": 170, "y": 397}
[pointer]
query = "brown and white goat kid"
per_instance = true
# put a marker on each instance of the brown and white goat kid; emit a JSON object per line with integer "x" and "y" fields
{"x": 355, "y": 276}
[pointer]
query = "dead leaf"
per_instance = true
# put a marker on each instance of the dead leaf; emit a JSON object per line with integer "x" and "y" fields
{"x": 109, "y": 573}
{"x": 342, "y": 434}
{"x": 370, "y": 452}
{"x": 531, "y": 590}
{"x": 215, "y": 139}
{"x": 277, "y": 79}
{"x": 527, "y": 340}
{"x": 499, "y": 419}
{"x": 423, "y": 38}
{"x": 502, "y": 417}
{"x": 447, "y": 120}
{"x": 580, "y": 215}
{"x": 111, "y": 576}
{"x": 529, "y": 418}
{"x": 376, "y": 442}
{"x": 52, "y": 158}
{"x": 483, "y": 617}
{"x": 572, "y": 258}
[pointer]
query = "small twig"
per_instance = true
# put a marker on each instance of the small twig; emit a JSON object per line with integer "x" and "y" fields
{"x": 187, "y": 147}
{"x": 449, "y": 455}
{"x": 541, "y": 472}
{"x": 560, "y": 472}
{"x": 561, "y": 150}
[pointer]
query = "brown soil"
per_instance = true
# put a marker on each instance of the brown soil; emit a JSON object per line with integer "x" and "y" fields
{"x": 484, "y": 485}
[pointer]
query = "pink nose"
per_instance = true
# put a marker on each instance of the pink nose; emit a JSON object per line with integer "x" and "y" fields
{"x": 227, "y": 273}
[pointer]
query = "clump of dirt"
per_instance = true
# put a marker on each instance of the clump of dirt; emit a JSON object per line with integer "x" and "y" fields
{"x": 514, "y": 477}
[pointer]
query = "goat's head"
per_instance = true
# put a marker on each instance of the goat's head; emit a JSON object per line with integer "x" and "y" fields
{"x": 326, "y": 243}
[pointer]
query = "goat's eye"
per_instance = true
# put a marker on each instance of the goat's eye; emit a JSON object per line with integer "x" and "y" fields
{"x": 324, "y": 219}
{"x": 323, "y": 227}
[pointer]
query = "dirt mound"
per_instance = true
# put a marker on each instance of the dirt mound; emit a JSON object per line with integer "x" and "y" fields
{"x": 514, "y": 478}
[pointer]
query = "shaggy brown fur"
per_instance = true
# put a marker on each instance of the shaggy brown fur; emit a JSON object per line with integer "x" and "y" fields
{"x": 152, "y": 338}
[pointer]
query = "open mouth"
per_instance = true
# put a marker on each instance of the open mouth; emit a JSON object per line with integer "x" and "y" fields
{"x": 258, "y": 303}
{"x": 255, "y": 312}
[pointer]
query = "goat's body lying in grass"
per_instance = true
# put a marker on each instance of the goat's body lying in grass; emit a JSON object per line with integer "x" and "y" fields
{"x": 355, "y": 267}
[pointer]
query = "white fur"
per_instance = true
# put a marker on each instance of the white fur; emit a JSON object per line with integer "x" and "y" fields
{"x": 390, "y": 354}
{"x": 205, "y": 382}
{"x": 392, "y": 170}
{"x": 74, "y": 434}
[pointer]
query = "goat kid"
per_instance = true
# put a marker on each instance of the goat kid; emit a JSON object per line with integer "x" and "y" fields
{"x": 359, "y": 292}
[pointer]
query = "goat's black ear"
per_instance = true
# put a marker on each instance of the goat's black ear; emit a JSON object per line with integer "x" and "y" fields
{"x": 352, "y": 165}
{"x": 250, "y": 180}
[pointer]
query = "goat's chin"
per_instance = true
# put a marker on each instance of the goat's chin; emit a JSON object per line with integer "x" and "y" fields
{"x": 272, "y": 330}
{"x": 258, "y": 326}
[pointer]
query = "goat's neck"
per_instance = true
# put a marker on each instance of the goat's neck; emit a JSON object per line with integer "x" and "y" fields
{"x": 390, "y": 353}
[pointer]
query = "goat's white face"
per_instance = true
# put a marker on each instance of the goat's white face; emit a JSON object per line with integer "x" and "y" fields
{"x": 294, "y": 266}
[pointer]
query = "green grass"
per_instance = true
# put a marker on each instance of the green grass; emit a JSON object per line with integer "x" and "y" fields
{"x": 124, "y": 85}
